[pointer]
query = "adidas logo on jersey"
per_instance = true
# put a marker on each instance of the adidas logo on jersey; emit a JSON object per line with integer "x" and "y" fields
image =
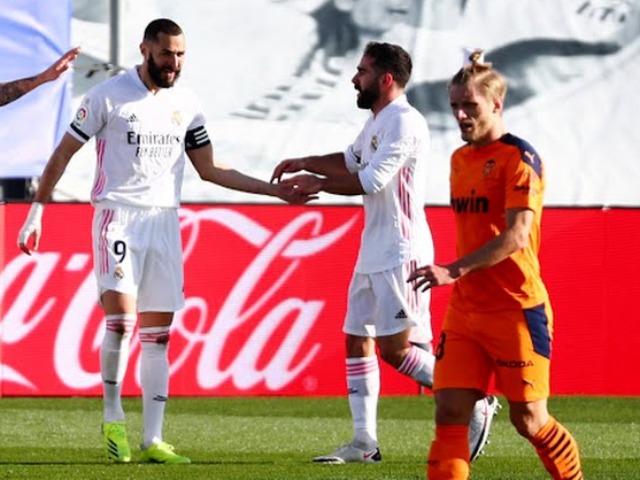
{"x": 132, "y": 118}
{"x": 401, "y": 314}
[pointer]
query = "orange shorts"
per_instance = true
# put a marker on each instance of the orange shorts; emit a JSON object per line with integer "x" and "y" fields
{"x": 515, "y": 345}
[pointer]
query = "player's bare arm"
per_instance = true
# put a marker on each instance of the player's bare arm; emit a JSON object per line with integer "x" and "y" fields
{"x": 56, "y": 166}
{"x": 60, "y": 66}
{"x": 327, "y": 165}
{"x": 31, "y": 231}
{"x": 346, "y": 185}
{"x": 225, "y": 176}
{"x": 11, "y": 91}
{"x": 513, "y": 238}
{"x": 430, "y": 276}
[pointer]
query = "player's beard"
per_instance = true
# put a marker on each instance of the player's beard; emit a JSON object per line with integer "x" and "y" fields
{"x": 155, "y": 72}
{"x": 368, "y": 97}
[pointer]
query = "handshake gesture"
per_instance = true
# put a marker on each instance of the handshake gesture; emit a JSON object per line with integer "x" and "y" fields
{"x": 297, "y": 189}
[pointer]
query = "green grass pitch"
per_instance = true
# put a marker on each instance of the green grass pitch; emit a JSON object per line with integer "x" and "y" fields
{"x": 276, "y": 437}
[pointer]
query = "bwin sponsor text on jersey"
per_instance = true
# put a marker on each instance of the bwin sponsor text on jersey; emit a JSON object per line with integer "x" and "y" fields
{"x": 471, "y": 204}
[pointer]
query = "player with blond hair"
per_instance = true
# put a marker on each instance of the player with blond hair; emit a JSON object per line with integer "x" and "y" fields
{"x": 499, "y": 321}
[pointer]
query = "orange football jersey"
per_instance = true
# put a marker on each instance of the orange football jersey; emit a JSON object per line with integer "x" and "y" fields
{"x": 485, "y": 182}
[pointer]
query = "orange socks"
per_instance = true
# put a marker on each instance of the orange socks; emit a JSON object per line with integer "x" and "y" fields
{"x": 449, "y": 454}
{"x": 558, "y": 451}
{"x": 556, "y": 447}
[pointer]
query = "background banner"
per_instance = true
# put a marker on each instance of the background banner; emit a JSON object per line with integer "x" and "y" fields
{"x": 266, "y": 284}
{"x": 266, "y": 293}
{"x": 274, "y": 79}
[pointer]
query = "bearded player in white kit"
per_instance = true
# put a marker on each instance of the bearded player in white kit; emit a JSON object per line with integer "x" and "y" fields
{"x": 387, "y": 166}
{"x": 143, "y": 127}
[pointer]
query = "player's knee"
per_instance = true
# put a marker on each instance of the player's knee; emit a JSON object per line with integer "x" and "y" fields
{"x": 454, "y": 406}
{"x": 392, "y": 356}
{"x": 525, "y": 424}
{"x": 121, "y": 326}
{"x": 452, "y": 413}
{"x": 359, "y": 346}
{"x": 528, "y": 417}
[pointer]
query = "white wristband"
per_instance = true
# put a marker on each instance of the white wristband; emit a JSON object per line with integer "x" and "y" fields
{"x": 32, "y": 224}
{"x": 35, "y": 213}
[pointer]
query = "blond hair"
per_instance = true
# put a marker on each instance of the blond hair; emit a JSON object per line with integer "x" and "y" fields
{"x": 490, "y": 82}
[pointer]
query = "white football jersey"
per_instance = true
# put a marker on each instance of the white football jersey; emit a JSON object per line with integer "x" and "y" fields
{"x": 390, "y": 156}
{"x": 140, "y": 139}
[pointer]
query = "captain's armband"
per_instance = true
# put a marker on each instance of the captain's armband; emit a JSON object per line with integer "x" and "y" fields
{"x": 196, "y": 138}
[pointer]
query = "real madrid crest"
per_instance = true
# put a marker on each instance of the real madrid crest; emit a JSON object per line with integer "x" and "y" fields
{"x": 118, "y": 272}
{"x": 374, "y": 143}
{"x": 176, "y": 117}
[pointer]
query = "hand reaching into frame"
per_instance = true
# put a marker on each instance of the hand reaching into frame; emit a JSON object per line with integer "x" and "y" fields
{"x": 291, "y": 165}
{"x": 431, "y": 276}
{"x": 60, "y": 66}
{"x": 295, "y": 196}
{"x": 304, "y": 184}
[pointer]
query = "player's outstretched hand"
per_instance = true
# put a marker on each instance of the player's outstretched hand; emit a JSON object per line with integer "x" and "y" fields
{"x": 61, "y": 65}
{"x": 305, "y": 183}
{"x": 290, "y": 165}
{"x": 293, "y": 195}
{"x": 32, "y": 228}
{"x": 430, "y": 276}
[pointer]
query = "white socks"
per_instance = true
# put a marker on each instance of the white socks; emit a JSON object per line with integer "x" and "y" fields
{"x": 114, "y": 357}
{"x": 419, "y": 364}
{"x": 363, "y": 382}
{"x": 154, "y": 372}
{"x": 154, "y": 379}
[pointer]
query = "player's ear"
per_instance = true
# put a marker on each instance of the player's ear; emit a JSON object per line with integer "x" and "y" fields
{"x": 143, "y": 49}
{"x": 386, "y": 80}
{"x": 497, "y": 105}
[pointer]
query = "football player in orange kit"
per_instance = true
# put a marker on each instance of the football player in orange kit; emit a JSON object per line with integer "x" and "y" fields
{"x": 499, "y": 320}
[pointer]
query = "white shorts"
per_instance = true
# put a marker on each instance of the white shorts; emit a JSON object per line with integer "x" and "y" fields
{"x": 138, "y": 251}
{"x": 383, "y": 303}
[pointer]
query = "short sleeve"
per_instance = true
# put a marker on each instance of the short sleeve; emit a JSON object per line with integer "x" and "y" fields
{"x": 90, "y": 117}
{"x": 525, "y": 183}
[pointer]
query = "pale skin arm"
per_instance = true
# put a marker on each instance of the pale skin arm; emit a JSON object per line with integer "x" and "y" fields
{"x": 13, "y": 90}
{"x": 56, "y": 166}
{"x": 53, "y": 171}
{"x": 513, "y": 238}
{"x": 225, "y": 176}
{"x": 332, "y": 175}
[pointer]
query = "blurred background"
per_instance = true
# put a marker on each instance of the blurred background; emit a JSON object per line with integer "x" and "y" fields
{"x": 274, "y": 77}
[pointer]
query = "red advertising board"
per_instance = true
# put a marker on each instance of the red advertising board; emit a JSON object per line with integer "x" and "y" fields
{"x": 265, "y": 299}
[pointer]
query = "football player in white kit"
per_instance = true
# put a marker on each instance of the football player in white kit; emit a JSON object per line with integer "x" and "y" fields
{"x": 143, "y": 126}
{"x": 387, "y": 166}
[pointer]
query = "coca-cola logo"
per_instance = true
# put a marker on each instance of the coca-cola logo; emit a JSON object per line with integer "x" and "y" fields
{"x": 280, "y": 323}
